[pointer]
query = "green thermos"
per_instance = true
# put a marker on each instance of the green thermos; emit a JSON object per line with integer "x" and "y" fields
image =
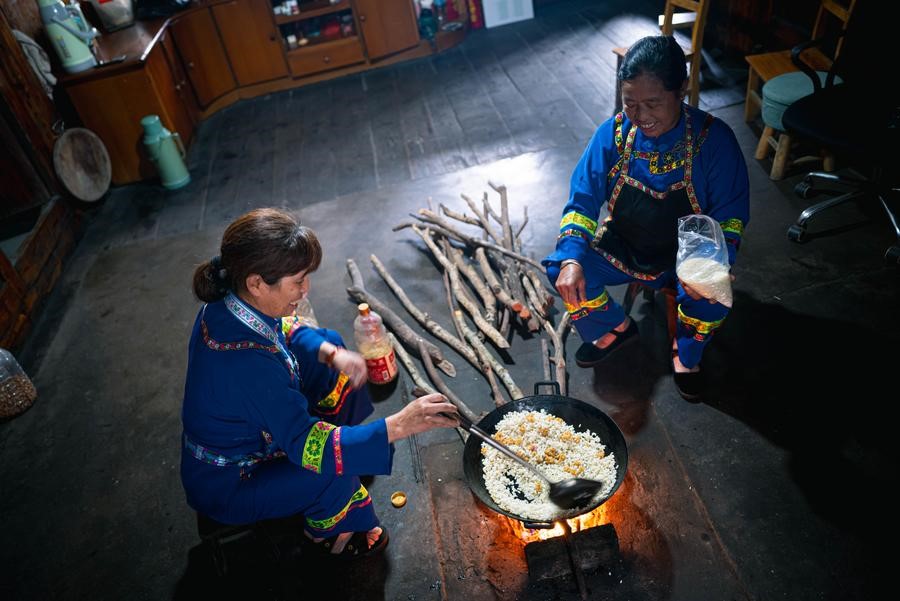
{"x": 167, "y": 153}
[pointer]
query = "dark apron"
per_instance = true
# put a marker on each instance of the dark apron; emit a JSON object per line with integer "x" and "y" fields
{"x": 640, "y": 236}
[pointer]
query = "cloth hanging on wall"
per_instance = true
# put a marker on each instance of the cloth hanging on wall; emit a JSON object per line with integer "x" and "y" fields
{"x": 39, "y": 61}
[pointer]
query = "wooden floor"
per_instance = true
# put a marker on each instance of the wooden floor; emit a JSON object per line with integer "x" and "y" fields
{"x": 741, "y": 497}
{"x": 530, "y": 86}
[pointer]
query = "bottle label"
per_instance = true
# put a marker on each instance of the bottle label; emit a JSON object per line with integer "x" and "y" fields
{"x": 382, "y": 369}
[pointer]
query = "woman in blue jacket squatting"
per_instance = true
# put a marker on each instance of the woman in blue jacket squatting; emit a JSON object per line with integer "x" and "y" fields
{"x": 658, "y": 160}
{"x": 271, "y": 428}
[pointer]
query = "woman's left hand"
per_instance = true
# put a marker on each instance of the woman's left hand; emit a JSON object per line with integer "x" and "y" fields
{"x": 420, "y": 415}
{"x": 353, "y": 365}
{"x": 693, "y": 293}
{"x": 696, "y": 295}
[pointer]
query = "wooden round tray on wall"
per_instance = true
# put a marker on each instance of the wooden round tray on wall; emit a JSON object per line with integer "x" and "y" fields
{"x": 82, "y": 164}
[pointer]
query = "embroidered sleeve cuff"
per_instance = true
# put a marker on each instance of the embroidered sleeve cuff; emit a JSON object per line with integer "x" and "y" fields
{"x": 365, "y": 449}
{"x": 568, "y": 248}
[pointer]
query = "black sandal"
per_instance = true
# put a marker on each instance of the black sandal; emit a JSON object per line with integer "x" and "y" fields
{"x": 356, "y": 548}
{"x": 689, "y": 384}
{"x": 589, "y": 355}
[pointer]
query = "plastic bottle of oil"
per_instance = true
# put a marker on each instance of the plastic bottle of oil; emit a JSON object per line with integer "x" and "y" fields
{"x": 374, "y": 345}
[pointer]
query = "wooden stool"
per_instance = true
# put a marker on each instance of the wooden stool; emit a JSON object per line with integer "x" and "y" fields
{"x": 635, "y": 288}
{"x": 218, "y": 538}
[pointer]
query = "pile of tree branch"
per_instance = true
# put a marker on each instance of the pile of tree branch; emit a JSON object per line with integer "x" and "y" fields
{"x": 491, "y": 285}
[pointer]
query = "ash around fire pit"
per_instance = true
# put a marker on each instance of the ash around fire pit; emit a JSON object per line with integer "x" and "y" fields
{"x": 576, "y": 413}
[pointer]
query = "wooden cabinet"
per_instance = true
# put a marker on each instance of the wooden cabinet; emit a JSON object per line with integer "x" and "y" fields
{"x": 112, "y": 103}
{"x": 388, "y": 26}
{"x": 320, "y": 37}
{"x": 176, "y": 104}
{"x": 203, "y": 55}
{"x": 251, "y": 40}
{"x": 324, "y": 36}
{"x": 188, "y": 66}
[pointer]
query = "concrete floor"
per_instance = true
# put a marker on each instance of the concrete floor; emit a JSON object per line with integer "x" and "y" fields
{"x": 774, "y": 488}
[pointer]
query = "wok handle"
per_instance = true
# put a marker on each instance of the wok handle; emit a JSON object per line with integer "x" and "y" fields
{"x": 551, "y": 383}
{"x": 538, "y": 525}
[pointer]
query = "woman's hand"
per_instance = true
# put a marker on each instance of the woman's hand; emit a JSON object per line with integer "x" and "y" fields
{"x": 348, "y": 362}
{"x": 693, "y": 293}
{"x": 421, "y": 415}
{"x": 570, "y": 284}
{"x": 696, "y": 295}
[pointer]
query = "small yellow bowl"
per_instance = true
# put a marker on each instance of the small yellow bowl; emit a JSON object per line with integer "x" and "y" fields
{"x": 398, "y": 499}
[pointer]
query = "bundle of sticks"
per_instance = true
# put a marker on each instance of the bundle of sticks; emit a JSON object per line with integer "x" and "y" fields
{"x": 489, "y": 282}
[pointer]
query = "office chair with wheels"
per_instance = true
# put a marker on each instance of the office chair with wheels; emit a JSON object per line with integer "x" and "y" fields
{"x": 857, "y": 119}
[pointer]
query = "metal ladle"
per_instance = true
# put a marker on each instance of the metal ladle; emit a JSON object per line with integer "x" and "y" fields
{"x": 567, "y": 494}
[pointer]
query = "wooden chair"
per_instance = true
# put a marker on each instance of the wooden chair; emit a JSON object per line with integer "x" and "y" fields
{"x": 670, "y": 294}
{"x": 692, "y": 16}
{"x": 766, "y": 66}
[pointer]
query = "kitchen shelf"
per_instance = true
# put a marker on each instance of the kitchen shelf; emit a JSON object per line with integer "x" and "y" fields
{"x": 313, "y": 12}
{"x": 343, "y": 41}
{"x": 319, "y": 43}
{"x": 325, "y": 56}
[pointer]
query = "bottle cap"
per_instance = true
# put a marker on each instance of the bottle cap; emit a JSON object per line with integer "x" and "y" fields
{"x": 363, "y": 308}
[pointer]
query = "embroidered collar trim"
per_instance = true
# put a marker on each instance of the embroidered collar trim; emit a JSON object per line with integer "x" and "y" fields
{"x": 249, "y": 318}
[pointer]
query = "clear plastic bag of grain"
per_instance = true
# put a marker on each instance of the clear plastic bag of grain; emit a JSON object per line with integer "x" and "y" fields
{"x": 17, "y": 392}
{"x": 702, "y": 259}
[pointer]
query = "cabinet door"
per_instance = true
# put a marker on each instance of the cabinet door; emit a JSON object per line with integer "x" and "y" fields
{"x": 204, "y": 57}
{"x": 251, "y": 40}
{"x": 172, "y": 111}
{"x": 388, "y": 26}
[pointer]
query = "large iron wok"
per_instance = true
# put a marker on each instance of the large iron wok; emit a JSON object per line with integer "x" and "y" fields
{"x": 578, "y": 414}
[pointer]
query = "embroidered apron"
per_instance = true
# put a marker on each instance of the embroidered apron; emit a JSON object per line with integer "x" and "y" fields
{"x": 640, "y": 236}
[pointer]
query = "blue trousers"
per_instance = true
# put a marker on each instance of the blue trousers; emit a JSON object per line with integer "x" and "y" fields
{"x": 697, "y": 319}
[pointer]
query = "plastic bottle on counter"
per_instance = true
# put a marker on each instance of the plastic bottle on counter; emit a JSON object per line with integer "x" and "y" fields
{"x": 374, "y": 345}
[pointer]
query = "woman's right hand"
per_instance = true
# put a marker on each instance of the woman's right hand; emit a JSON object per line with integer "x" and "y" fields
{"x": 570, "y": 284}
{"x": 420, "y": 415}
{"x": 353, "y": 365}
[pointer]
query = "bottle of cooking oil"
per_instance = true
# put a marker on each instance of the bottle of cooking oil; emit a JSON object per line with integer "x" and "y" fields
{"x": 374, "y": 345}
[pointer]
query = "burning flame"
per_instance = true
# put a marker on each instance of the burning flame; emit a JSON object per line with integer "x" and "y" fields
{"x": 584, "y": 521}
